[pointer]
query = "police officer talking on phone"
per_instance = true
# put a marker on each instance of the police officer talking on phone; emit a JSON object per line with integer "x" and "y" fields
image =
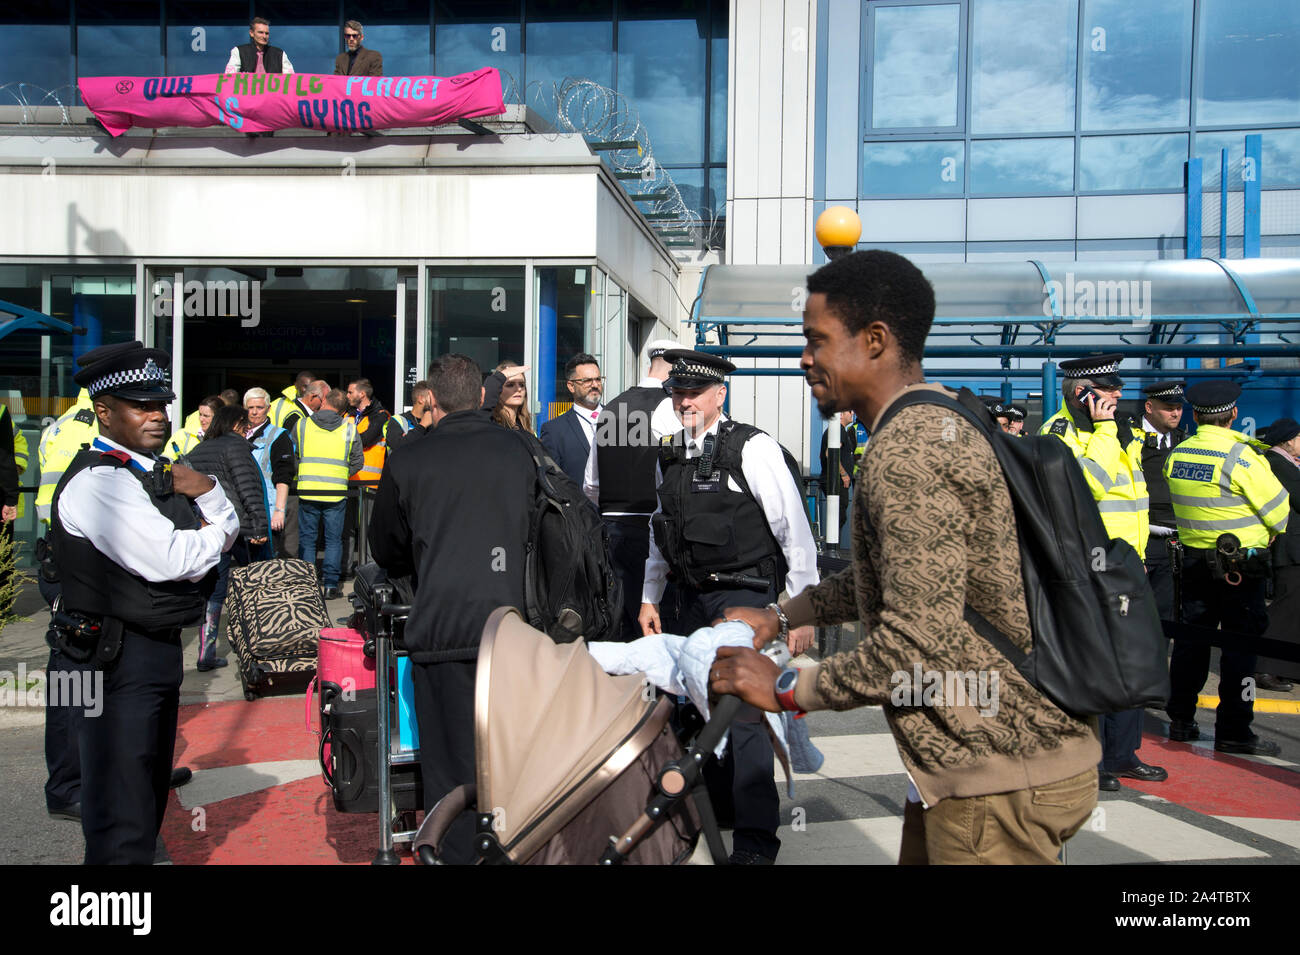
{"x": 132, "y": 537}
{"x": 732, "y": 531}
{"x": 1108, "y": 447}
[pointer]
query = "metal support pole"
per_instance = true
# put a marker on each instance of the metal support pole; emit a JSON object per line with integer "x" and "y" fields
{"x": 1051, "y": 395}
{"x": 547, "y": 309}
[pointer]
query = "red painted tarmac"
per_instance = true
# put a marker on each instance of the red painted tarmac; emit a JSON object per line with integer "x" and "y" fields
{"x": 296, "y": 823}
{"x": 1219, "y": 785}
{"x": 290, "y": 824}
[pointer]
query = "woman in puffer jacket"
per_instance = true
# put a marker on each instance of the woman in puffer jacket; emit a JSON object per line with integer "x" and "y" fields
{"x": 225, "y": 454}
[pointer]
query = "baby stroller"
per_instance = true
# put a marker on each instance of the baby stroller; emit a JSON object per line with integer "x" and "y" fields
{"x": 574, "y": 765}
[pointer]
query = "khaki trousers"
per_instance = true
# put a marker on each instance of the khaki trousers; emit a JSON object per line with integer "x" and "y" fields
{"x": 1025, "y": 827}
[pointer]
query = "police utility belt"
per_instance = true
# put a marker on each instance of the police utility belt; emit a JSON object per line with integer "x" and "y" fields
{"x": 1231, "y": 563}
{"x": 80, "y": 637}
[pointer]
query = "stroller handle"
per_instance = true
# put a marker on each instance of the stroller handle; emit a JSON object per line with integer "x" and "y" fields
{"x": 720, "y": 719}
{"x": 395, "y": 610}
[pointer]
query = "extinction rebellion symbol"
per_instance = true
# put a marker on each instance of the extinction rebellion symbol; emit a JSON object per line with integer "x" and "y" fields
{"x": 124, "y": 86}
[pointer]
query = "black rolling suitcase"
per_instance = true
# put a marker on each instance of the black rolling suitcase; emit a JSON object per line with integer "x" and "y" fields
{"x": 274, "y": 615}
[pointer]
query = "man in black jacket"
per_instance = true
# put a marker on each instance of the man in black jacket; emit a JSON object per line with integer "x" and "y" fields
{"x": 464, "y": 546}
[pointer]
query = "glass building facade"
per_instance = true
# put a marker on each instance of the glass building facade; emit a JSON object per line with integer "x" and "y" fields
{"x": 1066, "y": 97}
{"x": 668, "y": 58}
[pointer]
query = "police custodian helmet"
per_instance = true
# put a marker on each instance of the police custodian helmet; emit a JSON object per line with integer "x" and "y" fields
{"x": 126, "y": 370}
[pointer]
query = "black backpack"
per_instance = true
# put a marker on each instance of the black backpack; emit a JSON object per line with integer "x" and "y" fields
{"x": 1098, "y": 646}
{"x": 570, "y": 587}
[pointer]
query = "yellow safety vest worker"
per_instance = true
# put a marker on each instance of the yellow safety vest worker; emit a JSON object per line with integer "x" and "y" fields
{"x": 182, "y": 442}
{"x": 1113, "y": 472}
{"x": 374, "y": 455}
{"x": 59, "y": 445}
{"x": 323, "y": 460}
{"x": 283, "y": 406}
{"x": 1220, "y": 484}
{"x": 191, "y": 423}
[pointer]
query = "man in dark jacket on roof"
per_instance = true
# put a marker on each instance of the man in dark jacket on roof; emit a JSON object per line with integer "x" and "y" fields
{"x": 464, "y": 548}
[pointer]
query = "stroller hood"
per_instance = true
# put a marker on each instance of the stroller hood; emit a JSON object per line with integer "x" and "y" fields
{"x": 551, "y": 730}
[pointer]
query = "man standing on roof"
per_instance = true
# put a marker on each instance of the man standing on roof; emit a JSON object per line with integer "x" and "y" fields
{"x": 1110, "y": 454}
{"x": 258, "y": 56}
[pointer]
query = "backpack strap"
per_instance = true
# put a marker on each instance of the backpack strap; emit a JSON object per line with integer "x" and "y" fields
{"x": 976, "y": 412}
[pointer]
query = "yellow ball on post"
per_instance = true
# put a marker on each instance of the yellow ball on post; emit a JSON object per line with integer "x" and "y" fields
{"x": 838, "y": 230}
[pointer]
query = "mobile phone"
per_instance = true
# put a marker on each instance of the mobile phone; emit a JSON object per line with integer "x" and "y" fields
{"x": 1086, "y": 394}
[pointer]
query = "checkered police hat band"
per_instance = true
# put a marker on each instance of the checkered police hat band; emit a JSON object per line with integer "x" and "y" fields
{"x": 149, "y": 374}
{"x": 1107, "y": 369}
{"x": 1214, "y": 409}
{"x": 692, "y": 369}
{"x": 1169, "y": 394}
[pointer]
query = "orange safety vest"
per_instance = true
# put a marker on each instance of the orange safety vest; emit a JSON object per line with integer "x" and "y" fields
{"x": 374, "y": 455}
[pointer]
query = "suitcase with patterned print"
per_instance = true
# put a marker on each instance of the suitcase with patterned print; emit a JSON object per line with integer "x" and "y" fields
{"x": 274, "y": 615}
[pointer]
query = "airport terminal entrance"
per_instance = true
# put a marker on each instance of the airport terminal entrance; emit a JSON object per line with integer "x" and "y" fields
{"x": 246, "y": 326}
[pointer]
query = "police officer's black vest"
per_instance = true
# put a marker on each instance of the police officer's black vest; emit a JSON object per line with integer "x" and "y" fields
{"x": 627, "y": 467}
{"x": 272, "y": 58}
{"x": 704, "y": 526}
{"x": 1153, "y": 467}
{"x": 99, "y": 587}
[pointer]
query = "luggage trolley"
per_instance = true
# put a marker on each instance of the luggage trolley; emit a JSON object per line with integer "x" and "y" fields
{"x": 383, "y": 619}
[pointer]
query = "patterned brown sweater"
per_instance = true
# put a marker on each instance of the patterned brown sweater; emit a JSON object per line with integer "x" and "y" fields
{"x": 933, "y": 527}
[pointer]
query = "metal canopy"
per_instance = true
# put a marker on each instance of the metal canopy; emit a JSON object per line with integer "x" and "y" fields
{"x": 14, "y": 318}
{"x": 1248, "y": 308}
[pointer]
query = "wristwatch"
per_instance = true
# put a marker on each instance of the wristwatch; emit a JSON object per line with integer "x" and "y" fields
{"x": 784, "y": 622}
{"x": 785, "y": 684}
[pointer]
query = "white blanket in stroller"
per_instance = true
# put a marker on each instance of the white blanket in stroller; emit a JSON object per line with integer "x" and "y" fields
{"x": 680, "y": 665}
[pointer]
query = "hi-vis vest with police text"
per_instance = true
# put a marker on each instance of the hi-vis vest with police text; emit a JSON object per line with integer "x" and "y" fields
{"x": 59, "y": 445}
{"x": 1221, "y": 485}
{"x": 323, "y": 460}
{"x": 1111, "y": 457}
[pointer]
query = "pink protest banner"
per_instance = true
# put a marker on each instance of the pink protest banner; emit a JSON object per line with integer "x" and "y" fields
{"x": 261, "y": 102}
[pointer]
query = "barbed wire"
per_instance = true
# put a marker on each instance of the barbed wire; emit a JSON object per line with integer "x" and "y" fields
{"x": 24, "y": 93}
{"x": 605, "y": 116}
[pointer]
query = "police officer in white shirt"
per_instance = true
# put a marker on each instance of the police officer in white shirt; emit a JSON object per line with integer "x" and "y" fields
{"x": 132, "y": 537}
{"x": 732, "y": 531}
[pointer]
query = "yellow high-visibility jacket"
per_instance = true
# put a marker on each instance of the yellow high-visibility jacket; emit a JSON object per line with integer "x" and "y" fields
{"x": 59, "y": 445}
{"x": 1220, "y": 484}
{"x": 182, "y": 442}
{"x": 1113, "y": 472}
{"x": 283, "y": 406}
{"x": 323, "y": 459}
